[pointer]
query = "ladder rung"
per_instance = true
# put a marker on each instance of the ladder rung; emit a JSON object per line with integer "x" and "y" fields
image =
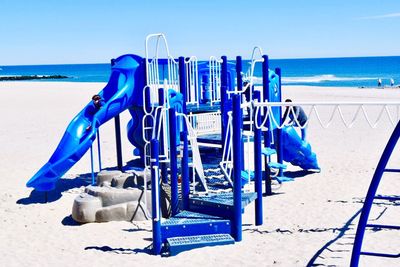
{"x": 376, "y": 254}
{"x": 384, "y": 226}
{"x": 387, "y": 197}
{"x": 392, "y": 170}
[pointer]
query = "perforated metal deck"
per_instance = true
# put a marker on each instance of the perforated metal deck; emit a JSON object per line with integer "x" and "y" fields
{"x": 183, "y": 243}
{"x": 219, "y": 204}
{"x": 189, "y": 223}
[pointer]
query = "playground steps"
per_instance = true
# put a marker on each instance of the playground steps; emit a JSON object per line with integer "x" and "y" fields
{"x": 178, "y": 244}
{"x": 188, "y": 223}
{"x": 267, "y": 151}
{"x": 220, "y": 204}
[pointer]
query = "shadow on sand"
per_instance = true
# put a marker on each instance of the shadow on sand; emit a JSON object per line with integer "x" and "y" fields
{"x": 146, "y": 250}
{"x": 297, "y": 174}
{"x": 62, "y": 185}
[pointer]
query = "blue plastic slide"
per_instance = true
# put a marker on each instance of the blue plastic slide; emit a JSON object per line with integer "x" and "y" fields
{"x": 298, "y": 152}
{"x": 123, "y": 91}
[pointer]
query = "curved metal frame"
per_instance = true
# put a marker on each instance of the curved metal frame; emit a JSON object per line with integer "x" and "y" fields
{"x": 362, "y": 224}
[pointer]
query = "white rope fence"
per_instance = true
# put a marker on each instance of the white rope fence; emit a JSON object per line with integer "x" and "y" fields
{"x": 371, "y": 112}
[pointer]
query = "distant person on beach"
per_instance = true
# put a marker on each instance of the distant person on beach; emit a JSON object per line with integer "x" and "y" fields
{"x": 391, "y": 82}
{"x": 379, "y": 82}
{"x": 95, "y": 106}
{"x": 297, "y": 117}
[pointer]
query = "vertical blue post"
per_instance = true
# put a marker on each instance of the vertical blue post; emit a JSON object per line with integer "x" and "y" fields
{"x": 118, "y": 141}
{"x": 182, "y": 82}
{"x": 99, "y": 148}
{"x": 239, "y": 79}
{"x": 184, "y": 138}
{"x": 224, "y": 88}
{"x": 237, "y": 172}
{"x": 163, "y": 166}
{"x": 92, "y": 164}
{"x": 257, "y": 164}
{"x": 267, "y": 134}
{"x": 173, "y": 162}
{"x": 185, "y": 170}
{"x": 279, "y": 140}
{"x": 155, "y": 198}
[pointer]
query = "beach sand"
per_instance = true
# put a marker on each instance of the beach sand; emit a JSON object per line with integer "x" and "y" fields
{"x": 312, "y": 217}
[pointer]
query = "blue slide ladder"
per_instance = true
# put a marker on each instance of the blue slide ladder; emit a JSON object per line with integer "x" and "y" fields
{"x": 369, "y": 199}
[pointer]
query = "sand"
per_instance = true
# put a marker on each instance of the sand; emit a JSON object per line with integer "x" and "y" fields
{"x": 309, "y": 221}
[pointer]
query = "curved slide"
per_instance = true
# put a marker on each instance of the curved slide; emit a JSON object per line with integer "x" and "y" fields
{"x": 123, "y": 91}
{"x": 298, "y": 152}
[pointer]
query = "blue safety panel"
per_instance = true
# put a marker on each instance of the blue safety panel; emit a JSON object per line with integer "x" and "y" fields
{"x": 183, "y": 243}
{"x": 189, "y": 223}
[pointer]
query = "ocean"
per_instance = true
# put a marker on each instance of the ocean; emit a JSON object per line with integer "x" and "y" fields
{"x": 342, "y": 72}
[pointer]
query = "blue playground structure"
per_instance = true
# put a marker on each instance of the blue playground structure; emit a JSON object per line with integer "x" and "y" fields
{"x": 179, "y": 109}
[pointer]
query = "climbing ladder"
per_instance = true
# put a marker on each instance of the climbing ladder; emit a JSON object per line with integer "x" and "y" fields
{"x": 369, "y": 199}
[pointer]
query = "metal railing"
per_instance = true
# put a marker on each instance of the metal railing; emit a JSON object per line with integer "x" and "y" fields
{"x": 372, "y": 112}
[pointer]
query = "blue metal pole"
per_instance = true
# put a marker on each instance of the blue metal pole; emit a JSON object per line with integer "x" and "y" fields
{"x": 173, "y": 162}
{"x": 118, "y": 141}
{"x": 182, "y": 82}
{"x": 237, "y": 124}
{"x": 355, "y": 257}
{"x": 185, "y": 170}
{"x": 184, "y": 138}
{"x": 279, "y": 151}
{"x": 267, "y": 134}
{"x": 92, "y": 164}
{"x": 224, "y": 88}
{"x": 163, "y": 166}
{"x": 239, "y": 79}
{"x": 99, "y": 148}
{"x": 258, "y": 165}
{"x": 155, "y": 197}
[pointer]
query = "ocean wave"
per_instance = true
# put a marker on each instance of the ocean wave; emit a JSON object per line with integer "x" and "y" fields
{"x": 317, "y": 79}
{"x": 323, "y": 78}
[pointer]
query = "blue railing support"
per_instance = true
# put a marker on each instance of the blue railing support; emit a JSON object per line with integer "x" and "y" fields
{"x": 279, "y": 150}
{"x": 362, "y": 223}
{"x": 258, "y": 165}
{"x": 92, "y": 164}
{"x": 155, "y": 197}
{"x": 237, "y": 124}
{"x": 267, "y": 134}
{"x": 173, "y": 162}
{"x": 182, "y": 82}
{"x": 163, "y": 166}
{"x": 224, "y": 98}
{"x": 185, "y": 170}
{"x": 118, "y": 141}
{"x": 99, "y": 148}
{"x": 239, "y": 81}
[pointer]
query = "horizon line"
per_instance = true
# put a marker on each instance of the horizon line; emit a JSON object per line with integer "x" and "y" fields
{"x": 270, "y": 58}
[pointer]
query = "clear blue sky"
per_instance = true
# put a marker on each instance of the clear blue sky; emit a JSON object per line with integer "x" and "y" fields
{"x": 93, "y": 31}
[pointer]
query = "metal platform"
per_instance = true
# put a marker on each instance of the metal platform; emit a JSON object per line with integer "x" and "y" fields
{"x": 187, "y": 223}
{"x": 178, "y": 244}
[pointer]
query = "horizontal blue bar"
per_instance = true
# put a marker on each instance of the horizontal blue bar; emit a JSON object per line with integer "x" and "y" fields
{"x": 395, "y": 227}
{"x": 375, "y": 254}
{"x": 387, "y": 197}
{"x": 392, "y": 170}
